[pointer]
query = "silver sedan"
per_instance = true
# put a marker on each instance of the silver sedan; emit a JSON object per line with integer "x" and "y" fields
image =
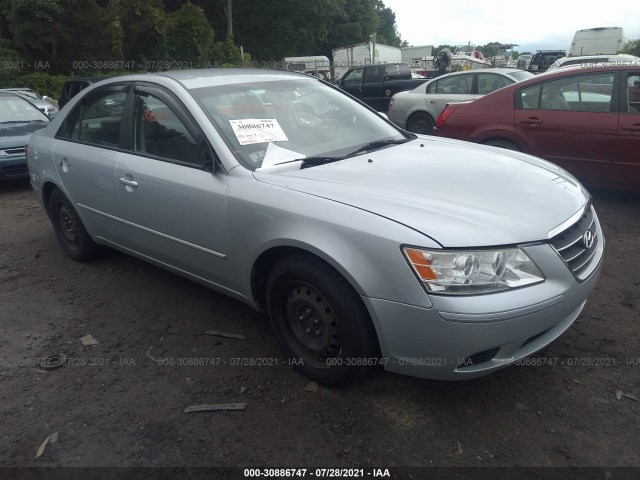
{"x": 417, "y": 110}
{"x": 364, "y": 244}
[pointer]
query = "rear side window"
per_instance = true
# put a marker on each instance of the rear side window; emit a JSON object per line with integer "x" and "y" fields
{"x": 633, "y": 93}
{"x": 96, "y": 119}
{"x": 583, "y": 93}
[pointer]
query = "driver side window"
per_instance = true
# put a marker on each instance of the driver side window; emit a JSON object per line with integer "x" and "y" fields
{"x": 354, "y": 77}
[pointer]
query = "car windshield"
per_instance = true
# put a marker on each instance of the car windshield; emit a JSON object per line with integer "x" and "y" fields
{"x": 29, "y": 93}
{"x": 14, "y": 109}
{"x": 273, "y": 122}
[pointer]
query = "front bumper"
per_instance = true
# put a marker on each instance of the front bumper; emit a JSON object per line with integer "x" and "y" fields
{"x": 467, "y": 337}
{"x": 13, "y": 167}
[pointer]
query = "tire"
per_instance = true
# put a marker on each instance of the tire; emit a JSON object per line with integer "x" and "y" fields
{"x": 70, "y": 231}
{"x": 421, "y": 123}
{"x": 506, "y": 144}
{"x": 320, "y": 321}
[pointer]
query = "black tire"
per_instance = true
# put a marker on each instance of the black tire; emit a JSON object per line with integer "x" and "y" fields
{"x": 320, "y": 321}
{"x": 506, "y": 144}
{"x": 421, "y": 123}
{"x": 70, "y": 231}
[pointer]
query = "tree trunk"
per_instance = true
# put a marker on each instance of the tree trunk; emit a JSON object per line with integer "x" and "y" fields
{"x": 229, "y": 13}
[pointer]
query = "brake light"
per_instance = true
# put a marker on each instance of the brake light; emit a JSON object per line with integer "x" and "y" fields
{"x": 446, "y": 113}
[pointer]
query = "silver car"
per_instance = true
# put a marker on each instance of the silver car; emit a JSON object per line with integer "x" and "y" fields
{"x": 365, "y": 244}
{"x": 41, "y": 103}
{"x": 417, "y": 110}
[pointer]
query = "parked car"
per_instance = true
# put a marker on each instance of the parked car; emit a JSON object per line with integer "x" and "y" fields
{"x": 376, "y": 84}
{"x": 583, "y": 119}
{"x": 74, "y": 86}
{"x": 42, "y": 103}
{"x": 18, "y": 119}
{"x": 543, "y": 59}
{"x": 418, "y": 109}
{"x": 596, "y": 60}
{"x": 365, "y": 244}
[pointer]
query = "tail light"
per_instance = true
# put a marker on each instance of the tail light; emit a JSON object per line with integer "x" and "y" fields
{"x": 446, "y": 113}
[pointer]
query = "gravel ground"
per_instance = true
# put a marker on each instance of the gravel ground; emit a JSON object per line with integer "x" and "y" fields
{"x": 113, "y": 405}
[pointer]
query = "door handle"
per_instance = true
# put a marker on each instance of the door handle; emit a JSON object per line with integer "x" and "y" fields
{"x": 531, "y": 121}
{"x": 128, "y": 182}
{"x": 432, "y": 101}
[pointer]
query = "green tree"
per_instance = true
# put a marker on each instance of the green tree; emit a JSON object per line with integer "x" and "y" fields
{"x": 189, "y": 35}
{"x": 632, "y": 47}
{"x": 387, "y": 31}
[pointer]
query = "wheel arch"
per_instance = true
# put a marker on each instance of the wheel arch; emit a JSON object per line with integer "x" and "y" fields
{"x": 269, "y": 258}
{"x": 501, "y": 138}
{"x": 265, "y": 261}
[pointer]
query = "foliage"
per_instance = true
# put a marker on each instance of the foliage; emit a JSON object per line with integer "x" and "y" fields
{"x": 92, "y": 37}
{"x": 632, "y": 47}
{"x": 42, "y": 83}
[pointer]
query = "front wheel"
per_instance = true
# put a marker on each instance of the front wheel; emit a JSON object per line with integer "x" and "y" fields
{"x": 70, "y": 231}
{"x": 320, "y": 321}
{"x": 420, "y": 123}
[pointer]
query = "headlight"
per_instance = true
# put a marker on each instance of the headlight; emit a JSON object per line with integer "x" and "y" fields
{"x": 472, "y": 272}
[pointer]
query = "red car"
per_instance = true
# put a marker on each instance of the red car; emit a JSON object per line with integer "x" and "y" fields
{"x": 587, "y": 120}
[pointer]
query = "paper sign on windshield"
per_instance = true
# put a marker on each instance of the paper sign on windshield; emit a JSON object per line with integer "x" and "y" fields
{"x": 258, "y": 130}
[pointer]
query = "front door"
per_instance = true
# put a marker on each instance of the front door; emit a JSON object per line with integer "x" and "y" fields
{"x": 174, "y": 207}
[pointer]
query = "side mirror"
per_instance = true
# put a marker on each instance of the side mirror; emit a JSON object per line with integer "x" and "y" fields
{"x": 52, "y": 115}
{"x": 44, "y": 97}
{"x": 383, "y": 115}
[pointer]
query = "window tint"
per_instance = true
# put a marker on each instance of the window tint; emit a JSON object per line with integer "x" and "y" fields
{"x": 96, "y": 119}
{"x": 489, "y": 82}
{"x": 585, "y": 93}
{"x": 373, "y": 74}
{"x": 159, "y": 132}
{"x": 633, "y": 93}
{"x": 354, "y": 77}
{"x": 456, "y": 84}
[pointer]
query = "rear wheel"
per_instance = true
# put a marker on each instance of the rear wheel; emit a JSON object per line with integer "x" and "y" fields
{"x": 421, "y": 123}
{"x": 70, "y": 231}
{"x": 320, "y": 321}
{"x": 499, "y": 142}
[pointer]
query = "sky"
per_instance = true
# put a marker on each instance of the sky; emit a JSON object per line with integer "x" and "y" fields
{"x": 535, "y": 25}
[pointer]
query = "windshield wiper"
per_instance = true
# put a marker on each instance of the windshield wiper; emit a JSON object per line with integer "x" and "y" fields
{"x": 313, "y": 161}
{"x": 379, "y": 144}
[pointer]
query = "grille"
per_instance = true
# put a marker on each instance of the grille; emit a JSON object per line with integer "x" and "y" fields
{"x": 573, "y": 247}
{"x": 14, "y": 151}
{"x": 479, "y": 358}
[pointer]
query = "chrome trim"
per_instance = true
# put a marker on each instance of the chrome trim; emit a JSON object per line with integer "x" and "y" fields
{"x": 570, "y": 221}
{"x": 501, "y": 316}
{"x": 163, "y": 235}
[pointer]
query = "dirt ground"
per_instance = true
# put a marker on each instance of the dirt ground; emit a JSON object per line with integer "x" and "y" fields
{"x": 112, "y": 404}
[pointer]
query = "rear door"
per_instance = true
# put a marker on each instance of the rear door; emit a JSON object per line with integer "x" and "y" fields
{"x": 454, "y": 88}
{"x": 571, "y": 121}
{"x": 626, "y": 169}
{"x": 85, "y": 156}
{"x": 174, "y": 207}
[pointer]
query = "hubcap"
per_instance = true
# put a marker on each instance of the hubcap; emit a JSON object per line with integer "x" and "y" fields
{"x": 313, "y": 325}
{"x": 67, "y": 223}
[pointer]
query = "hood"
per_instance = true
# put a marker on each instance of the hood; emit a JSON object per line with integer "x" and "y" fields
{"x": 13, "y": 134}
{"x": 460, "y": 194}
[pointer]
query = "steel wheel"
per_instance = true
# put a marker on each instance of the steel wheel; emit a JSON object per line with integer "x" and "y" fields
{"x": 319, "y": 320}
{"x": 312, "y": 325}
{"x": 70, "y": 231}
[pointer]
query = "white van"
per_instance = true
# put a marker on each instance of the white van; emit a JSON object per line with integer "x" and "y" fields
{"x": 596, "y": 61}
{"x": 597, "y": 41}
